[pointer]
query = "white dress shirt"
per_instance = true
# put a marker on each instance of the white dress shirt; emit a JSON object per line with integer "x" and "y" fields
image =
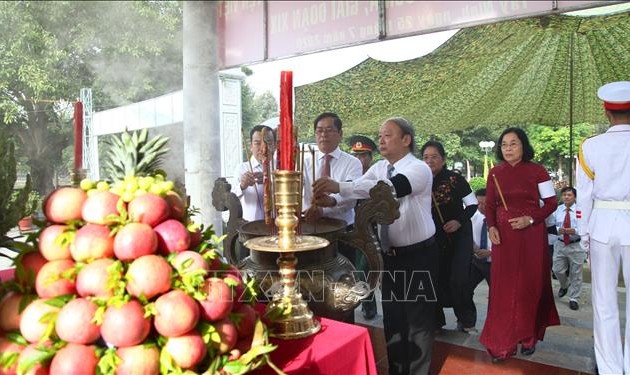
{"x": 477, "y": 223}
{"x": 607, "y": 156}
{"x": 343, "y": 167}
{"x": 559, "y": 220}
{"x": 251, "y": 203}
{"x": 415, "y": 223}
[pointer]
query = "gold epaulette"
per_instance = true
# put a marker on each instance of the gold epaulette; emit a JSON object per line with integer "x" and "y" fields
{"x": 589, "y": 172}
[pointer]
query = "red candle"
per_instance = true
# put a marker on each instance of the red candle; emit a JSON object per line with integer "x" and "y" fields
{"x": 78, "y": 135}
{"x": 287, "y": 140}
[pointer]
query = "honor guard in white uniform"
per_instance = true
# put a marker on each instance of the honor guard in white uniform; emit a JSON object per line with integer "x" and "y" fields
{"x": 603, "y": 186}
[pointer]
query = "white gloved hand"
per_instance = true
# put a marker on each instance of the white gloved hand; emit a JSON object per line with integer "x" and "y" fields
{"x": 585, "y": 242}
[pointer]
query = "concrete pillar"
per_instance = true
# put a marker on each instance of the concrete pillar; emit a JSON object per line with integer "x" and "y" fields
{"x": 202, "y": 131}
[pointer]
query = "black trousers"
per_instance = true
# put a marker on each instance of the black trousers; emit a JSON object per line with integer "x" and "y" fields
{"x": 409, "y": 302}
{"x": 454, "y": 282}
{"x": 479, "y": 270}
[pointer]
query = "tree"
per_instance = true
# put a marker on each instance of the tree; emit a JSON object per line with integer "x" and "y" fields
{"x": 125, "y": 51}
{"x": 266, "y": 105}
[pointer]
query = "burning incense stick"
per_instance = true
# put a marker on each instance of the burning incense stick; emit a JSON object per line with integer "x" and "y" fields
{"x": 496, "y": 183}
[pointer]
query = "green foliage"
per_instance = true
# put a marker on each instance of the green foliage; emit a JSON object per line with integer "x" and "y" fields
{"x": 477, "y": 183}
{"x": 13, "y": 206}
{"x": 124, "y": 51}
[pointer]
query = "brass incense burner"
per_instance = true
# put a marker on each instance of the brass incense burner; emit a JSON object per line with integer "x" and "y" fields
{"x": 327, "y": 279}
{"x": 295, "y": 319}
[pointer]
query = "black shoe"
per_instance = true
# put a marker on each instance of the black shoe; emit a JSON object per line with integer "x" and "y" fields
{"x": 562, "y": 292}
{"x": 528, "y": 351}
{"x": 573, "y": 305}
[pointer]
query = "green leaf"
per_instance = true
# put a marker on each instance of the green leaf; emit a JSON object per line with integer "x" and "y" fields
{"x": 16, "y": 338}
{"x": 40, "y": 355}
{"x": 60, "y": 301}
{"x": 8, "y": 359}
{"x": 109, "y": 361}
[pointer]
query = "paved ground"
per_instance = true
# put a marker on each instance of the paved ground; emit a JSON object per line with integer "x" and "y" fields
{"x": 569, "y": 345}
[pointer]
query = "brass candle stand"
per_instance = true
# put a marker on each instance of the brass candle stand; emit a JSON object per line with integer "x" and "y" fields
{"x": 291, "y": 316}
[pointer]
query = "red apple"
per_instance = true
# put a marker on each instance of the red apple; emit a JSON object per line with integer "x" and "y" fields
{"x": 219, "y": 302}
{"x": 92, "y": 241}
{"x": 31, "y": 326}
{"x": 126, "y": 325}
{"x": 176, "y": 313}
{"x": 99, "y": 206}
{"x": 74, "y": 359}
{"x": 135, "y": 240}
{"x": 187, "y": 350}
{"x": 149, "y": 209}
{"x": 74, "y": 322}
{"x": 92, "y": 280}
{"x": 64, "y": 204}
{"x": 49, "y": 246}
{"x": 149, "y": 275}
{"x": 50, "y": 283}
{"x": 139, "y": 359}
{"x": 173, "y": 237}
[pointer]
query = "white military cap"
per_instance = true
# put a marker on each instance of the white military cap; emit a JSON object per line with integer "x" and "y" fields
{"x": 616, "y": 95}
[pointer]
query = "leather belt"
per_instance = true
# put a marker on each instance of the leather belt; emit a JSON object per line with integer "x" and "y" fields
{"x": 396, "y": 251}
{"x": 612, "y": 205}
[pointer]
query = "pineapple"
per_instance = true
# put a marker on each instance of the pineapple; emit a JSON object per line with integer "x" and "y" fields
{"x": 135, "y": 155}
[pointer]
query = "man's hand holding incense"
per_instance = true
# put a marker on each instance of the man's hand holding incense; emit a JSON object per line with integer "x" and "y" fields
{"x": 325, "y": 186}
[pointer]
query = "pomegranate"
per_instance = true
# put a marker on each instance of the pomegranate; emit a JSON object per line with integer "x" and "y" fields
{"x": 188, "y": 261}
{"x": 176, "y": 313}
{"x": 10, "y": 312}
{"x": 149, "y": 275}
{"x": 219, "y": 303}
{"x": 73, "y": 357}
{"x": 64, "y": 204}
{"x": 176, "y": 205}
{"x": 31, "y": 264}
{"x": 99, "y": 206}
{"x": 187, "y": 350}
{"x": 74, "y": 322}
{"x": 31, "y": 326}
{"x": 135, "y": 240}
{"x": 92, "y": 241}
{"x": 7, "y": 348}
{"x": 49, "y": 246}
{"x": 93, "y": 278}
{"x": 139, "y": 359}
{"x": 245, "y": 320}
{"x": 229, "y": 336}
{"x": 125, "y": 325}
{"x": 149, "y": 209}
{"x": 28, "y": 355}
{"x": 173, "y": 237}
{"x": 50, "y": 282}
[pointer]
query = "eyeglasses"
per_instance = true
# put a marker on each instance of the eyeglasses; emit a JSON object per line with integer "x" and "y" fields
{"x": 505, "y": 146}
{"x": 320, "y": 131}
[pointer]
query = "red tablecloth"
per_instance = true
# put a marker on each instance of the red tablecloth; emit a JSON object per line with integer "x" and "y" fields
{"x": 339, "y": 348}
{"x": 6, "y": 275}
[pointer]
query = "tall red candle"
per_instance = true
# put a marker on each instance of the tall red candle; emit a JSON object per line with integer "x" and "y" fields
{"x": 78, "y": 135}
{"x": 287, "y": 140}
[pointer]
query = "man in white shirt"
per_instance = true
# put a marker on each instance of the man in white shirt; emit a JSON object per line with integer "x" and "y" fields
{"x": 482, "y": 247}
{"x": 567, "y": 254}
{"x": 604, "y": 225}
{"x": 330, "y": 162}
{"x": 250, "y": 174}
{"x": 411, "y": 255}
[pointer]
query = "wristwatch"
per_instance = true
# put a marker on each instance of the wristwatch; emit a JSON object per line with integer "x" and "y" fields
{"x": 531, "y": 221}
